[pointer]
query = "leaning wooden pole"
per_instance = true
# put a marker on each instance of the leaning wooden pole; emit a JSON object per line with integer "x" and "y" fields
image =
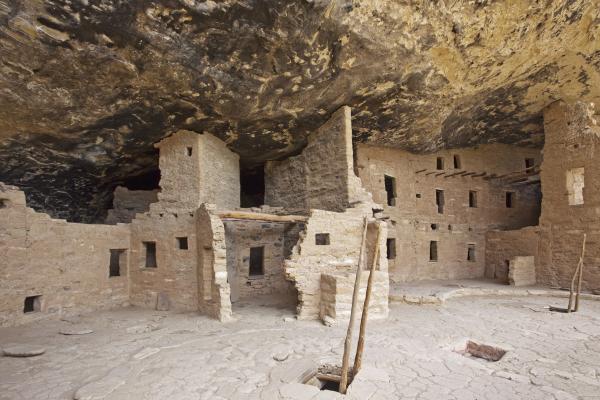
{"x": 580, "y": 274}
{"x": 348, "y": 342}
{"x": 365, "y": 310}
{"x": 576, "y": 274}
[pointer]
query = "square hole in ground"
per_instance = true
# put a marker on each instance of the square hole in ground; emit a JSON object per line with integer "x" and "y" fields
{"x": 328, "y": 377}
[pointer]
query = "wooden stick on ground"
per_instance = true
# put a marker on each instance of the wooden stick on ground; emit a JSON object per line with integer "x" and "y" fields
{"x": 365, "y": 311}
{"x": 580, "y": 274}
{"x": 348, "y": 342}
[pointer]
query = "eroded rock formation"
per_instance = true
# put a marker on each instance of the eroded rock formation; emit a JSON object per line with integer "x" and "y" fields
{"x": 87, "y": 86}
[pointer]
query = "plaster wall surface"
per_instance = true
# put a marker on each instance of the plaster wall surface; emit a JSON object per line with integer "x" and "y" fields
{"x": 67, "y": 264}
{"x": 416, "y": 221}
{"x": 572, "y": 139}
{"x": 127, "y": 203}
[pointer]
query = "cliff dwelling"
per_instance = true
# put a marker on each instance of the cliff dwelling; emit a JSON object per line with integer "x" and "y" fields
{"x": 299, "y": 200}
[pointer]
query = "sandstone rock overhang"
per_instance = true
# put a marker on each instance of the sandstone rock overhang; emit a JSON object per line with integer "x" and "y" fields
{"x": 87, "y": 87}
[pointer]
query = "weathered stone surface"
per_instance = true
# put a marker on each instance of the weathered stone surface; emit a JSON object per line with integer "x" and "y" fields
{"x": 88, "y": 88}
{"x": 75, "y": 331}
{"x": 23, "y": 350}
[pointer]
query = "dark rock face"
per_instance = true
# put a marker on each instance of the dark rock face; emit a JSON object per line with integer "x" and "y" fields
{"x": 87, "y": 86}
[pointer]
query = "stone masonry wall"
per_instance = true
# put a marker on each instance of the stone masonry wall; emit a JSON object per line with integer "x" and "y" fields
{"x": 197, "y": 169}
{"x": 572, "y": 138}
{"x": 175, "y": 274}
{"x": 67, "y": 264}
{"x": 322, "y": 177}
{"x": 310, "y": 260}
{"x": 127, "y": 203}
{"x": 241, "y": 235}
{"x": 414, "y": 217}
{"x": 502, "y": 246}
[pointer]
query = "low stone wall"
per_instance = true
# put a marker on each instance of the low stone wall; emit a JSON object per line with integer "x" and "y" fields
{"x": 66, "y": 264}
{"x": 127, "y": 203}
{"x": 502, "y": 246}
{"x": 336, "y": 295}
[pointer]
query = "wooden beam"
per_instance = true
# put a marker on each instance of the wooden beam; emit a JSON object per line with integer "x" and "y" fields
{"x": 421, "y": 170}
{"x": 245, "y": 215}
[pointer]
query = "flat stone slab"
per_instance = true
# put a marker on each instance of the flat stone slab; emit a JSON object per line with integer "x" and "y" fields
{"x": 22, "y": 350}
{"x": 74, "y": 331}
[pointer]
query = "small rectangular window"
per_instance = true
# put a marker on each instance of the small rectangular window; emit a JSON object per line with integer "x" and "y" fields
{"x": 439, "y": 201}
{"x": 257, "y": 261}
{"x": 391, "y": 249}
{"x": 3, "y": 203}
{"x": 472, "y": 199}
{"x": 114, "y": 268}
{"x": 471, "y": 252}
{"x": 32, "y": 304}
{"x": 182, "y": 243}
{"x": 433, "y": 250}
{"x": 529, "y": 163}
{"x": 575, "y": 185}
{"x": 150, "y": 254}
{"x": 457, "y": 163}
{"x": 390, "y": 189}
{"x": 322, "y": 239}
{"x": 189, "y": 151}
{"x": 510, "y": 199}
{"x": 440, "y": 163}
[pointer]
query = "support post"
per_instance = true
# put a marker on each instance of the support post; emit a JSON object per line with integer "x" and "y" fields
{"x": 580, "y": 274}
{"x": 348, "y": 341}
{"x": 365, "y": 310}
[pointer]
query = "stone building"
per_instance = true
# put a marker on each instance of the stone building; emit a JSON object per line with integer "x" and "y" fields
{"x": 194, "y": 248}
{"x": 454, "y": 214}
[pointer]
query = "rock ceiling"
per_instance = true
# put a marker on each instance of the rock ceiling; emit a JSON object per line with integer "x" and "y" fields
{"x": 87, "y": 86}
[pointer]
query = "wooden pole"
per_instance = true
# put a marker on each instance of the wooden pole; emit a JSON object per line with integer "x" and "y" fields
{"x": 244, "y": 215}
{"x": 348, "y": 342}
{"x": 580, "y": 274}
{"x": 365, "y": 310}
{"x": 575, "y": 277}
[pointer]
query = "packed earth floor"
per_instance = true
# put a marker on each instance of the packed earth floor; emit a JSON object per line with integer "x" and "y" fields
{"x": 415, "y": 354}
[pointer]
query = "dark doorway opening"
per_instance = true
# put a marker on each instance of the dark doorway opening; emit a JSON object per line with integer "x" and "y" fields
{"x": 510, "y": 199}
{"x": 252, "y": 185}
{"x": 439, "y": 201}
{"x": 457, "y": 163}
{"x": 257, "y": 255}
{"x": 114, "y": 268}
{"x": 391, "y": 249}
{"x": 390, "y": 189}
{"x": 182, "y": 243}
{"x": 150, "y": 254}
{"x": 433, "y": 251}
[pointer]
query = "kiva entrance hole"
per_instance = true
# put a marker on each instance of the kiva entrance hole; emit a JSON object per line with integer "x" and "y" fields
{"x": 328, "y": 377}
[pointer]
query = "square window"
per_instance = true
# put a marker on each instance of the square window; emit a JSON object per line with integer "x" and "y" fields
{"x": 322, "y": 239}
{"x": 472, "y": 199}
{"x": 256, "y": 267}
{"x": 391, "y": 249}
{"x": 114, "y": 267}
{"x": 433, "y": 250}
{"x": 32, "y": 304}
{"x": 182, "y": 243}
{"x": 150, "y": 254}
{"x": 471, "y": 252}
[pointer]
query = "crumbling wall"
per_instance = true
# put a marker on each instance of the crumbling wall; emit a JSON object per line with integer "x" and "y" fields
{"x": 489, "y": 171}
{"x": 502, "y": 246}
{"x": 197, "y": 169}
{"x": 127, "y": 203}
{"x": 571, "y": 140}
{"x": 310, "y": 260}
{"x": 67, "y": 264}
{"x": 241, "y": 236}
{"x": 521, "y": 271}
{"x": 213, "y": 285}
{"x": 322, "y": 176}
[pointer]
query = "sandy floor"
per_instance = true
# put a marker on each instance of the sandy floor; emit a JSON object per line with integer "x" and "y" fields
{"x": 137, "y": 354}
